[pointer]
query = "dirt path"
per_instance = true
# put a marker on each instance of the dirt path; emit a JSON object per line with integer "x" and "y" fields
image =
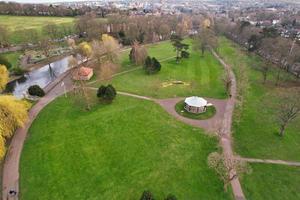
{"x": 226, "y": 139}
{"x": 268, "y": 161}
{"x": 10, "y": 179}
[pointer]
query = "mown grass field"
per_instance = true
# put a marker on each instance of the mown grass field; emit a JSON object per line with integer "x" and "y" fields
{"x": 116, "y": 151}
{"x": 202, "y": 76}
{"x": 16, "y": 24}
{"x": 256, "y": 131}
{"x": 274, "y": 182}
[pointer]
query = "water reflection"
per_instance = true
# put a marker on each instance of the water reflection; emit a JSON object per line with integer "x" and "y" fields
{"x": 42, "y": 77}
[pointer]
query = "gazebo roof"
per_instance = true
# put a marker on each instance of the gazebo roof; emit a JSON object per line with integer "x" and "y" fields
{"x": 195, "y": 101}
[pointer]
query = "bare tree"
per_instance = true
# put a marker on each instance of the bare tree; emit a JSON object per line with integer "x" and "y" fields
{"x": 98, "y": 51}
{"x": 227, "y": 81}
{"x": 138, "y": 54}
{"x": 45, "y": 45}
{"x": 288, "y": 109}
{"x": 227, "y": 168}
{"x": 51, "y": 30}
{"x": 205, "y": 39}
{"x": 265, "y": 69}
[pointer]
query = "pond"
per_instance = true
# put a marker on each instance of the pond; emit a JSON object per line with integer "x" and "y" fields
{"x": 41, "y": 76}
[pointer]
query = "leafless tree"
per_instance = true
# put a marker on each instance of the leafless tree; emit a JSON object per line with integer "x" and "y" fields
{"x": 288, "y": 109}
{"x": 138, "y": 54}
{"x": 228, "y": 168}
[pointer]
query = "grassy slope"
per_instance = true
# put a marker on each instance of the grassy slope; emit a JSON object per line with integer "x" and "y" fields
{"x": 16, "y": 24}
{"x": 257, "y": 133}
{"x": 272, "y": 182}
{"x": 203, "y": 74}
{"x": 115, "y": 152}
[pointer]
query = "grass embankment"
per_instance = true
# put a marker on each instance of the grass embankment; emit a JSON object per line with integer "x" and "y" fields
{"x": 116, "y": 151}
{"x": 201, "y": 76}
{"x": 256, "y": 131}
{"x": 274, "y": 182}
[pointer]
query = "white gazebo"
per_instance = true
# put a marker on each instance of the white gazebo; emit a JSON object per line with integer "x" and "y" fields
{"x": 195, "y": 104}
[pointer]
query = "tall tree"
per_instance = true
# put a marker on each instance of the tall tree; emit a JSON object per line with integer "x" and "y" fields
{"x": 138, "y": 54}
{"x": 205, "y": 39}
{"x": 111, "y": 47}
{"x": 179, "y": 46}
{"x": 288, "y": 109}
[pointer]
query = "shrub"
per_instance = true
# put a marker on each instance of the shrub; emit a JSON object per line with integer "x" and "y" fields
{"x": 147, "y": 195}
{"x": 185, "y": 54}
{"x": 107, "y": 93}
{"x": 36, "y": 90}
{"x": 4, "y": 61}
{"x": 171, "y": 197}
{"x": 152, "y": 65}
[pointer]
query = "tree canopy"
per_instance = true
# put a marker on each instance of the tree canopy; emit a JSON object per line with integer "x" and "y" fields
{"x": 4, "y": 77}
{"x": 13, "y": 114}
{"x": 179, "y": 46}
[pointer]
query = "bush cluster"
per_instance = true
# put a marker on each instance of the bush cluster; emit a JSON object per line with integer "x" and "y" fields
{"x": 36, "y": 90}
{"x": 152, "y": 65}
{"x": 147, "y": 195}
{"x": 107, "y": 93}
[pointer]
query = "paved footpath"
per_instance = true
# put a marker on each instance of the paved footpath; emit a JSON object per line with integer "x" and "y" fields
{"x": 226, "y": 139}
{"x": 10, "y": 180}
{"x": 268, "y": 161}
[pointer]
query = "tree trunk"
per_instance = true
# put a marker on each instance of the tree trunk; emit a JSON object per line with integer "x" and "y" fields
{"x": 265, "y": 78}
{"x": 177, "y": 56}
{"x": 278, "y": 77}
{"x": 282, "y": 129}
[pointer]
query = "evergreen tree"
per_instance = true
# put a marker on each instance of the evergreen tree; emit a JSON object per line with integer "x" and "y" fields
{"x": 147, "y": 195}
{"x": 178, "y": 46}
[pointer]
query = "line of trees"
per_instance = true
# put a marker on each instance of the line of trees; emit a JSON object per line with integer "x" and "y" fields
{"x": 266, "y": 42}
{"x": 13, "y": 8}
{"x": 128, "y": 29}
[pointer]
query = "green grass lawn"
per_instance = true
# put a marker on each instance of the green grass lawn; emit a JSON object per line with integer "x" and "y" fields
{"x": 274, "y": 182}
{"x": 202, "y": 75}
{"x": 256, "y": 135}
{"x": 210, "y": 112}
{"x": 16, "y": 24}
{"x": 115, "y": 151}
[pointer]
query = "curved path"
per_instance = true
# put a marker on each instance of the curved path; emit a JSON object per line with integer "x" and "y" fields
{"x": 10, "y": 180}
{"x": 219, "y": 121}
{"x": 226, "y": 140}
